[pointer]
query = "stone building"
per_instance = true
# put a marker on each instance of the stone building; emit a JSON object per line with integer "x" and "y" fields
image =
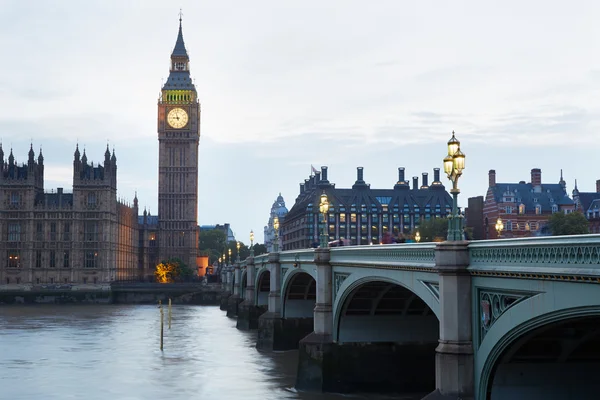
{"x": 178, "y": 140}
{"x": 523, "y": 207}
{"x": 86, "y": 236}
{"x": 278, "y": 210}
{"x": 362, "y": 215}
{"x": 588, "y": 203}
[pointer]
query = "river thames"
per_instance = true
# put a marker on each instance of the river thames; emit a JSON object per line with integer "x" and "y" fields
{"x": 99, "y": 352}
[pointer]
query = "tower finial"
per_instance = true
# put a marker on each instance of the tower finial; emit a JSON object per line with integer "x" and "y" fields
{"x": 180, "y": 15}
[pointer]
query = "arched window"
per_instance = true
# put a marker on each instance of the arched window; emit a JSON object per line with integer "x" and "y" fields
{"x": 554, "y": 208}
{"x": 538, "y": 209}
{"x": 521, "y": 208}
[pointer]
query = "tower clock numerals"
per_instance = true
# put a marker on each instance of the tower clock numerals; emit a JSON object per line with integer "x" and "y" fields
{"x": 177, "y": 118}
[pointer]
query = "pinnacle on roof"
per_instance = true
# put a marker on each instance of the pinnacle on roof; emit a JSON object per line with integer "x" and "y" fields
{"x": 179, "y": 50}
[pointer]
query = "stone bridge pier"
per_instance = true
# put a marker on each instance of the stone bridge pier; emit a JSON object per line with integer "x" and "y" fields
{"x": 382, "y": 337}
{"x": 236, "y": 298}
{"x": 248, "y": 311}
{"x": 226, "y": 286}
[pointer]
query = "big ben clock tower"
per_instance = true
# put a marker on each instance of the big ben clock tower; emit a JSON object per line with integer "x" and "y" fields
{"x": 178, "y": 139}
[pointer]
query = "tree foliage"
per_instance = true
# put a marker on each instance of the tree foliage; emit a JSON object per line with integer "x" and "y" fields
{"x": 212, "y": 242}
{"x": 434, "y": 229}
{"x": 173, "y": 270}
{"x": 259, "y": 249}
{"x": 574, "y": 223}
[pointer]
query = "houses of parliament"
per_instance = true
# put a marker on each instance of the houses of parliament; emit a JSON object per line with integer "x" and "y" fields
{"x": 87, "y": 236}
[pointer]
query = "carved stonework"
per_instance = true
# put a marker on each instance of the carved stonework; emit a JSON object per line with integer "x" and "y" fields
{"x": 338, "y": 279}
{"x": 493, "y": 304}
{"x": 550, "y": 254}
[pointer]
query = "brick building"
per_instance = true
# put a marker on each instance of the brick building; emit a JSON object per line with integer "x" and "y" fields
{"x": 523, "y": 207}
{"x": 588, "y": 203}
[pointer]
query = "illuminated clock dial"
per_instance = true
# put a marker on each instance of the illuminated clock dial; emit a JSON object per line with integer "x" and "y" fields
{"x": 177, "y": 118}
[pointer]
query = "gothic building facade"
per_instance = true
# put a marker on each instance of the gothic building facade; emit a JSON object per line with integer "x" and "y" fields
{"x": 90, "y": 237}
{"x": 86, "y": 236}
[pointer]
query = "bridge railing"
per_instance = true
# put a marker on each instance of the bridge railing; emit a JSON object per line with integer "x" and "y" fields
{"x": 577, "y": 254}
{"x": 412, "y": 255}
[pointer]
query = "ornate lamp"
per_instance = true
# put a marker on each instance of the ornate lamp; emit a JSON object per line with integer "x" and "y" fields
{"x": 454, "y": 164}
{"x": 237, "y": 258}
{"x": 417, "y": 237}
{"x": 499, "y": 227}
{"x": 323, "y": 209}
{"x": 229, "y": 251}
{"x": 251, "y": 243}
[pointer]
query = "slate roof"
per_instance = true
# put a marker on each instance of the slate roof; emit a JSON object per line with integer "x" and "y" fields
{"x": 179, "y": 50}
{"x": 151, "y": 219}
{"x": 587, "y": 199}
{"x": 524, "y": 193}
{"x": 179, "y": 80}
{"x": 54, "y": 199}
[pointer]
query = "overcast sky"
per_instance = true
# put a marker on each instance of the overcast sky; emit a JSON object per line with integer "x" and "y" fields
{"x": 287, "y": 84}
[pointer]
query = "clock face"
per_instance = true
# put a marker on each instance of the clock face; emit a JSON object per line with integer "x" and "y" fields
{"x": 177, "y": 118}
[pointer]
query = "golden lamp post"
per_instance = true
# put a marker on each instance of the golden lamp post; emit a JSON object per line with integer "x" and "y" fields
{"x": 276, "y": 238}
{"x": 417, "y": 237}
{"x": 323, "y": 209}
{"x": 237, "y": 257}
{"x": 229, "y": 251}
{"x": 251, "y": 243}
{"x": 499, "y": 227}
{"x": 454, "y": 163}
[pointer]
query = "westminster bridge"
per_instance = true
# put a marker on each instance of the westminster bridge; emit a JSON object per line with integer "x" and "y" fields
{"x": 495, "y": 319}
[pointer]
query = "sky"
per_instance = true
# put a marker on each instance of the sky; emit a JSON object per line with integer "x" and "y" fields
{"x": 284, "y": 85}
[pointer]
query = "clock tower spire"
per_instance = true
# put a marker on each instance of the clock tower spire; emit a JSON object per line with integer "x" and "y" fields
{"x": 178, "y": 141}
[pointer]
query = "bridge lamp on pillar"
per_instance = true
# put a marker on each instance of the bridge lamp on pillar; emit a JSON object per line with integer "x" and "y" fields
{"x": 417, "y": 237}
{"x": 251, "y": 243}
{"x": 237, "y": 258}
{"x": 454, "y": 163}
{"x": 499, "y": 227}
{"x": 323, "y": 209}
{"x": 229, "y": 251}
{"x": 276, "y": 238}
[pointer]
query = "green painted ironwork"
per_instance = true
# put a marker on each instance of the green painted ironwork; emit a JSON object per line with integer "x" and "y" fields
{"x": 492, "y": 304}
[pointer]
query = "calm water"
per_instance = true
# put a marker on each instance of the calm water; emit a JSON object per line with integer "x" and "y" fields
{"x": 112, "y": 352}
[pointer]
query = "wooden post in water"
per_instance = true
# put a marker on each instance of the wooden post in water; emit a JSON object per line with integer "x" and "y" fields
{"x": 162, "y": 320}
{"x": 169, "y": 313}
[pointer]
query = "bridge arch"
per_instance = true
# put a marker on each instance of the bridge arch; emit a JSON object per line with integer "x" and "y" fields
{"x": 538, "y": 341}
{"x": 299, "y": 294}
{"x": 263, "y": 287}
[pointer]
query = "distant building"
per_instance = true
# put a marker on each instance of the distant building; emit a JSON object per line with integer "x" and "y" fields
{"x": 225, "y": 228}
{"x": 474, "y": 217}
{"x": 278, "y": 210}
{"x": 588, "y": 203}
{"x": 523, "y": 207}
{"x": 362, "y": 215}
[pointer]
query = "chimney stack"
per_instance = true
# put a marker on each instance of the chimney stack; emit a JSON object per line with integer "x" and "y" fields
{"x": 415, "y": 182}
{"x": 307, "y": 184}
{"x": 401, "y": 175}
{"x": 536, "y": 177}
{"x": 359, "y": 174}
{"x": 425, "y": 181}
{"x": 301, "y": 188}
{"x": 317, "y": 178}
{"x": 324, "y": 173}
{"x": 436, "y": 175}
{"x": 492, "y": 177}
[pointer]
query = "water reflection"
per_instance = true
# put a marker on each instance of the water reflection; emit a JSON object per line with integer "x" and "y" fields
{"x": 112, "y": 352}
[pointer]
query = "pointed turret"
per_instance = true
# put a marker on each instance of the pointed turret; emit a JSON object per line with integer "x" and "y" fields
{"x": 179, "y": 50}
{"x": 107, "y": 154}
{"x": 77, "y": 154}
{"x": 84, "y": 157}
{"x": 11, "y": 158}
{"x": 31, "y": 154}
{"x": 562, "y": 181}
{"x": 40, "y": 157}
{"x": 113, "y": 159}
{"x": 179, "y": 76}
{"x": 1, "y": 156}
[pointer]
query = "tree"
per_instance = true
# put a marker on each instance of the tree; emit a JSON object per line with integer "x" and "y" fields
{"x": 173, "y": 270}
{"x": 213, "y": 243}
{"x": 574, "y": 223}
{"x": 259, "y": 249}
{"x": 434, "y": 229}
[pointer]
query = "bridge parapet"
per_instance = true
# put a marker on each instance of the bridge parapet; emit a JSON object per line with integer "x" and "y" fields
{"x": 392, "y": 256}
{"x": 574, "y": 257}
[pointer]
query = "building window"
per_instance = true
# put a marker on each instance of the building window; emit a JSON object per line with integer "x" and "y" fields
{"x": 90, "y": 259}
{"x": 66, "y": 259}
{"x": 38, "y": 259}
{"x": 52, "y": 259}
{"x": 15, "y": 200}
{"x": 53, "y": 231}
{"x": 538, "y": 209}
{"x": 342, "y": 218}
{"x": 91, "y": 199}
{"x": 14, "y": 232}
{"x": 508, "y": 209}
{"x": 14, "y": 259}
{"x": 353, "y": 218}
{"x": 509, "y": 226}
{"x": 67, "y": 232}
{"x": 521, "y": 209}
{"x": 91, "y": 231}
{"x": 554, "y": 208}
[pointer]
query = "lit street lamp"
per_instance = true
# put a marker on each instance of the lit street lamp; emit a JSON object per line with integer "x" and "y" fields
{"x": 251, "y": 243}
{"x": 323, "y": 208}
{"x": 417, "y": 237}
{"x": 237, "y": 258}
{"x": 229, "y": 256}
{"x": 499, "y": 227}
{"x": 276, "y": 238}
{"x": 454, "y": 163}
